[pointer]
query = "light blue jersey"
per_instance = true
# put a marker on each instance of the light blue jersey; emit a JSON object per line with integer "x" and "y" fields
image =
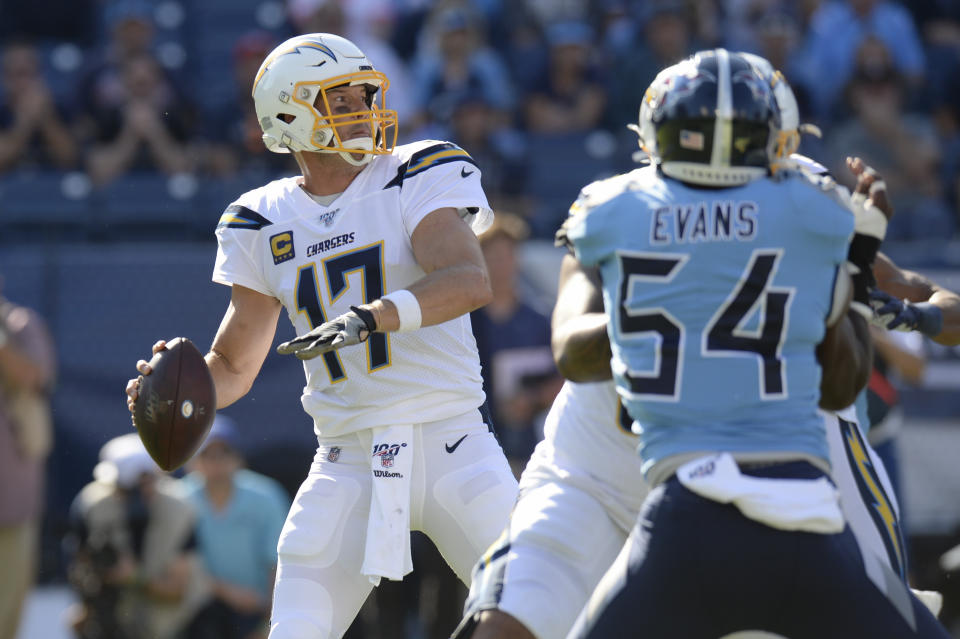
{"x": 239, "y": 543}
{"x": 717, "y": 300}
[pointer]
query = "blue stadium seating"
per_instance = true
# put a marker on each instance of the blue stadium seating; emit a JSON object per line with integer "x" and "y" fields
{"x": 560, "y": 166}
{"x": 37, "y": 204}
{"x": 144, "y": 202}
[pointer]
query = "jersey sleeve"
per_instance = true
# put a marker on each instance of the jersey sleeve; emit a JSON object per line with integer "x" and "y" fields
{"x": 586, "y": 230}
{"x": 237, "y": 262}
{"x": 439, "y": 176}
{"x": 827, "y": 211}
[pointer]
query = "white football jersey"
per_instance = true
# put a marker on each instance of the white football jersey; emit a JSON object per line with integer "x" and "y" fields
{"x": 588, "y": 442}
{"x": 319, "y": 260}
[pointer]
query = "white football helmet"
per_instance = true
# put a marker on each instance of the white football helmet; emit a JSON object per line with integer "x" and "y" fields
{"x": 293, "y": 82}
{"x": 788, "y": 138}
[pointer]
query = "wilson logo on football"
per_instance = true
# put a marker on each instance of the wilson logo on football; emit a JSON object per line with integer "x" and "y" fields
{"x": 155, "y": 407}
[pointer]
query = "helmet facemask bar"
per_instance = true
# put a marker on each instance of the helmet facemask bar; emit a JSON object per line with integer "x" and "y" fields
{"x": 325, "y": 134}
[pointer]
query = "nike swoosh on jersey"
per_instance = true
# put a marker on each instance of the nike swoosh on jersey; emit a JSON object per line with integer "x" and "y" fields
{"x": 450, "y": 448}
{"x": 428, "y": 158}
{"x": 465, "y": 173}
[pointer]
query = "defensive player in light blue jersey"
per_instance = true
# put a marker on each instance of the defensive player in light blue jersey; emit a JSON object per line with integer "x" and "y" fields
{"x": 724, "y": 282}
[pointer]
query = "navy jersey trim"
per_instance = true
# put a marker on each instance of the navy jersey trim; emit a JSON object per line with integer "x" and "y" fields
{"x": 428, "y": 158}
{"x": 237, "y": 216}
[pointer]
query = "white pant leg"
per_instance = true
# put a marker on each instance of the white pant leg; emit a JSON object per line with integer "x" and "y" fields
{"x": 319, "y": 588}
{"x": 463, "y": 498}
{"x": 560, "y": 541}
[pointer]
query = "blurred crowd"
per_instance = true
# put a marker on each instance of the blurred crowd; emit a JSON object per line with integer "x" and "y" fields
{"x": 539, "y": 92}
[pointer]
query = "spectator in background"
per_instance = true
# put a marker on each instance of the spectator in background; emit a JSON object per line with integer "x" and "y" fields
{"x": 946, "y": 116}
{"x": 232, "y": 134}
{"x": 499, "y": 151}
{"x": 901, "y": 146}
{"x": 777, "y": 38}
{"x": 453, "y": 60}
{"x": 134, "y": 568}
{"x": 239, "y": 517}
{"x": 34, "y": 131}
{"x": 665, "y": 37}
{"x": 838, "y": 28}
{"x": 513, "y": 338}
{"x": 570, "y": 97}
{"x": 740, "y": 21}
{"x": 367, "y": 24}
{"x": 47, "y": 20}
{"x": 148, "y": 126}
{"x": 27, "y": 367}
{"x": 131, "y": 32}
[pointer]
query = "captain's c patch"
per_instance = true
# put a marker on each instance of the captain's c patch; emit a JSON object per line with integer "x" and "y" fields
{"x": 281, "y": 245}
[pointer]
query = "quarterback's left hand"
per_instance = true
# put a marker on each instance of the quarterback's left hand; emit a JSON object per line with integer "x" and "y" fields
{"x": 901, "y": 315}
{"x": 348, "y": 329}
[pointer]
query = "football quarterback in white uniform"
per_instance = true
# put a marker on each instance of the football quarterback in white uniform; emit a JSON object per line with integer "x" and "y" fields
{"x": 372, "y": 252}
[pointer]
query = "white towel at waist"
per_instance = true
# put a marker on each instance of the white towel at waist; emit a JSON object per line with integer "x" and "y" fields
{"x": 387, "y": 551}
{"x": 809, "y": 505}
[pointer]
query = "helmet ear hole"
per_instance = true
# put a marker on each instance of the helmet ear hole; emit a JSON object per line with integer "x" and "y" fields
{"x": 286, "y": 117}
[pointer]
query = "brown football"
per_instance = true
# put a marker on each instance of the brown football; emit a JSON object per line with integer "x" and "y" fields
{"x": 176, "y": 404}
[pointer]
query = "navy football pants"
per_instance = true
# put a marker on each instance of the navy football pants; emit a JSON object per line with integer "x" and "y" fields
{"x": 701, "y": 570}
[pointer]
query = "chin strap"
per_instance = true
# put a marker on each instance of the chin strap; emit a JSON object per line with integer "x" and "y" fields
{"x": 366, "y": 144}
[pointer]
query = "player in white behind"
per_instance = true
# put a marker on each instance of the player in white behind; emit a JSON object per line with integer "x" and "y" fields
{"x": 579, "y": 495}
{"x": 372, "y": 252}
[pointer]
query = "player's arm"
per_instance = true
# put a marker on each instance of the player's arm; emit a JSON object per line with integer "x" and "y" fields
{"x": 456, "y": 282}
{"x": 242, "y": 343}
{"x": 846, "y": 352}
{"x": 914, "y": 300}
{"x": 846, "y": 357}
{"x": 239, "y": 348}
{"x": 581, "y": 347}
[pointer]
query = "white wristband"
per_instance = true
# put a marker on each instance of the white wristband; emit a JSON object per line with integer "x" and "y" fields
{"x": 408, "y": 309}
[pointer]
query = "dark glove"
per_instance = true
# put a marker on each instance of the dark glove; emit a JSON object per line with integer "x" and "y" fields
{"x": 348, "y": 329}
{"x": 871, "y": 210}
{"x": 894, "y": 314}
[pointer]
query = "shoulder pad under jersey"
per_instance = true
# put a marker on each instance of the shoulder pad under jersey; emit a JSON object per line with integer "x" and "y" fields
{"x": 600, "y": 192}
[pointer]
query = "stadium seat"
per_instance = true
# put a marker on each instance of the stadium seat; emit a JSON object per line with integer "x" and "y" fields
{"x": 214, "y": 29}
{"x": 42, "y": 203}
{"x": 146, "y": 202}
{"x": 560, "y": 166}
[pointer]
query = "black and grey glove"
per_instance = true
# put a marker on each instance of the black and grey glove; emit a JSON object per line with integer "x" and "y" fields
{"x": 348, "y": 329}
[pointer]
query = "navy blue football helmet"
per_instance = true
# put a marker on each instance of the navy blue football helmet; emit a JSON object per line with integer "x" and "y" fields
{"x": 712, "y": 120}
